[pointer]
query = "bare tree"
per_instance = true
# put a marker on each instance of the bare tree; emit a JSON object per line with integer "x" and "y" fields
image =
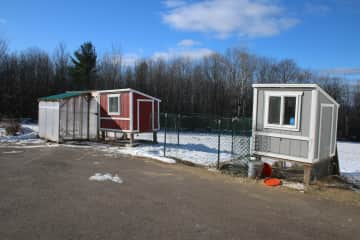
{"x": 110, "y": 69}
{"x": 3, "y": 48}
{"x": 288, "y": 71}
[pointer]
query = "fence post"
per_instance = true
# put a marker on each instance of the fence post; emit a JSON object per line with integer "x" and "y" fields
{"x": 178, "y": 128}
{"x": 219, "y": 132}
{"x": 165, "y": 127}
{"x": 232, "y": 136}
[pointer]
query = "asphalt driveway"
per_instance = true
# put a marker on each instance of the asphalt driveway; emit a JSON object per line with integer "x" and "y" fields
{"x": 45, "y": 193}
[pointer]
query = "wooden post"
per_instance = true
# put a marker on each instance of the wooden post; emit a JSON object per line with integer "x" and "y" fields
{"x": 218, "y": 157}
{"x": 88, "y": 117}
{"x": 131, "y": 138}
{"x": 74, "y": 118}
{"x": 155, "y": 137}
{"x": 103, "y": 135}
{"x": 81, "y": 116}
{"x": 335, "y": 168}
{"x": 307, "y": 174}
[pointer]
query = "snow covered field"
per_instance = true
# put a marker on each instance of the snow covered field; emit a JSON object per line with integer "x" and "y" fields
{"x": 349, "y": 160}
{"x": 199, "y": 148}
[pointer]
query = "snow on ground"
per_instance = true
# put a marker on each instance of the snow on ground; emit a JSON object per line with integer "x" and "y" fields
{"x": 106, "y": 177}
{"x": 198, "y": 148}
{"x": 349, "y": 161}
{"x": 12, "y": 152}
{"x": 294, "y": 185}
{"x": 28, "y": 134}
{"x": 143, "y": 150}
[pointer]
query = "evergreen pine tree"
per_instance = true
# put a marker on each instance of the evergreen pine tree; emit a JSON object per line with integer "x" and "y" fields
{"x": 83, "y": 71}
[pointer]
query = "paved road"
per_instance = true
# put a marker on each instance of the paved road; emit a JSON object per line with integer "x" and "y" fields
{"x": 45, "y": 194}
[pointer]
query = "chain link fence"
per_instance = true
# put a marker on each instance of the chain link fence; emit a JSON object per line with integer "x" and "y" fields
{"x": 206, "y": 140}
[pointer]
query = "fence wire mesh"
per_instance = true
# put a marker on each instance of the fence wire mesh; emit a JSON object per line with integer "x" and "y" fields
{"x": 206, "y": 140}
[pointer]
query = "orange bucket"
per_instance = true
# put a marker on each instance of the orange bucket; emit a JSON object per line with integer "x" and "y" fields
{"x": 272, "y": 182}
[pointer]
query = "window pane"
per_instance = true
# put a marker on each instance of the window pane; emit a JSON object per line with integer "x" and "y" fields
{"x": 274, "y": 110}
{"x": 113, "y": 104}
{"x": 289, "y": 111}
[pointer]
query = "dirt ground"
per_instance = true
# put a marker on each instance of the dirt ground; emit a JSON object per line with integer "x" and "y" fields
{"x": 45, "y": 193}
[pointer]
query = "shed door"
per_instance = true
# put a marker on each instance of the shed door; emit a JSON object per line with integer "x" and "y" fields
{"x": 326, "y": 131}
{"x": 145, "y": 113}
{"x": 49, "y": 120}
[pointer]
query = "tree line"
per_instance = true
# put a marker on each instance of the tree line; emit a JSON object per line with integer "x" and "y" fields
{"x": 219, "y": 84}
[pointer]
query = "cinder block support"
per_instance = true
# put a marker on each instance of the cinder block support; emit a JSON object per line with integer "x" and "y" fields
{"x": 155, "y": 137}
{"x": 307, "y": 174}
{"x": 131, "y": 138}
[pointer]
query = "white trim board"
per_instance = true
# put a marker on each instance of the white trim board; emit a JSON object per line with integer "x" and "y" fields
{"x": 279, "y": 135}
{"x": 283, "y": 95}
{"x": 254, "y": 113}
{"x": 336, "y": 127}
{"x": 117, "y": 130}
{"x": 313, "y": 123}
{"x": 283, "y": 157}
{"x": 115, "y": 118}
{"x": 118, "y": 96}
{"x": 131, "y": 109}
{"x": 138, "y": 113}
{"x": 158, "y": 117}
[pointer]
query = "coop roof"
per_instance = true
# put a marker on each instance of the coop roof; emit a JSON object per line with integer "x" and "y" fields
{"x": 308, "y": 85}
{"x": 61, "y": 96}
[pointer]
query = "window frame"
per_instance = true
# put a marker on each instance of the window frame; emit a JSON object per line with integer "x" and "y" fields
{"x": 282, "y": 95}
{"x": 118, "y": 96}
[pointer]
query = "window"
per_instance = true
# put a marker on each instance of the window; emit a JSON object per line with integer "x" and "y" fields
{"x": 289, "y": 110}
{"x": 114, "y": 104}
{"x": 274, "y": 110}
{"x": 282, "y": 110}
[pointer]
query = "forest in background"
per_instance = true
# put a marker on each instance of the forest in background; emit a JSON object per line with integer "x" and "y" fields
{"x": 219, "y": 84}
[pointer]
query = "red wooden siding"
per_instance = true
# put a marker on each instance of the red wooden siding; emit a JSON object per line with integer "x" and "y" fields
{"x": 124, "y": 105}
{"x": 115, "y": 124}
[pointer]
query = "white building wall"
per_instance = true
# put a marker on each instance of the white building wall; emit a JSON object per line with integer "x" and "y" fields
{"x": 49, "y": 120}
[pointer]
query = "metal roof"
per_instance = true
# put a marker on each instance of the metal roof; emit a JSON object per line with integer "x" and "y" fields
{"x": 61, "y": 96}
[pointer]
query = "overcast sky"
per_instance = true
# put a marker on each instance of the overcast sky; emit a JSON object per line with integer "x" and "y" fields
{"x": 318, "y": 34}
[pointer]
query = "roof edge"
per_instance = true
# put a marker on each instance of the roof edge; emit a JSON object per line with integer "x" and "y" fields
{"x": 295, "y": 85}
{"x": 128, "y": 90}
{"x": 285, "y": 85}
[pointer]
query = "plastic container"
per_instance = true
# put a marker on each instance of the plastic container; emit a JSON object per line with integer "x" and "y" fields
{"x": 267, "y": 170}
{"x": 255, "y": 168}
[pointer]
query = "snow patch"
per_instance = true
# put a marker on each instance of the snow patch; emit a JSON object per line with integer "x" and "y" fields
{"x": 349, "y": 161}
{"x": 294, "y": 185}
{"x": 28, "y": 134}
{"x": 106, "y": 177}
{"x": 12, "y": 152}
